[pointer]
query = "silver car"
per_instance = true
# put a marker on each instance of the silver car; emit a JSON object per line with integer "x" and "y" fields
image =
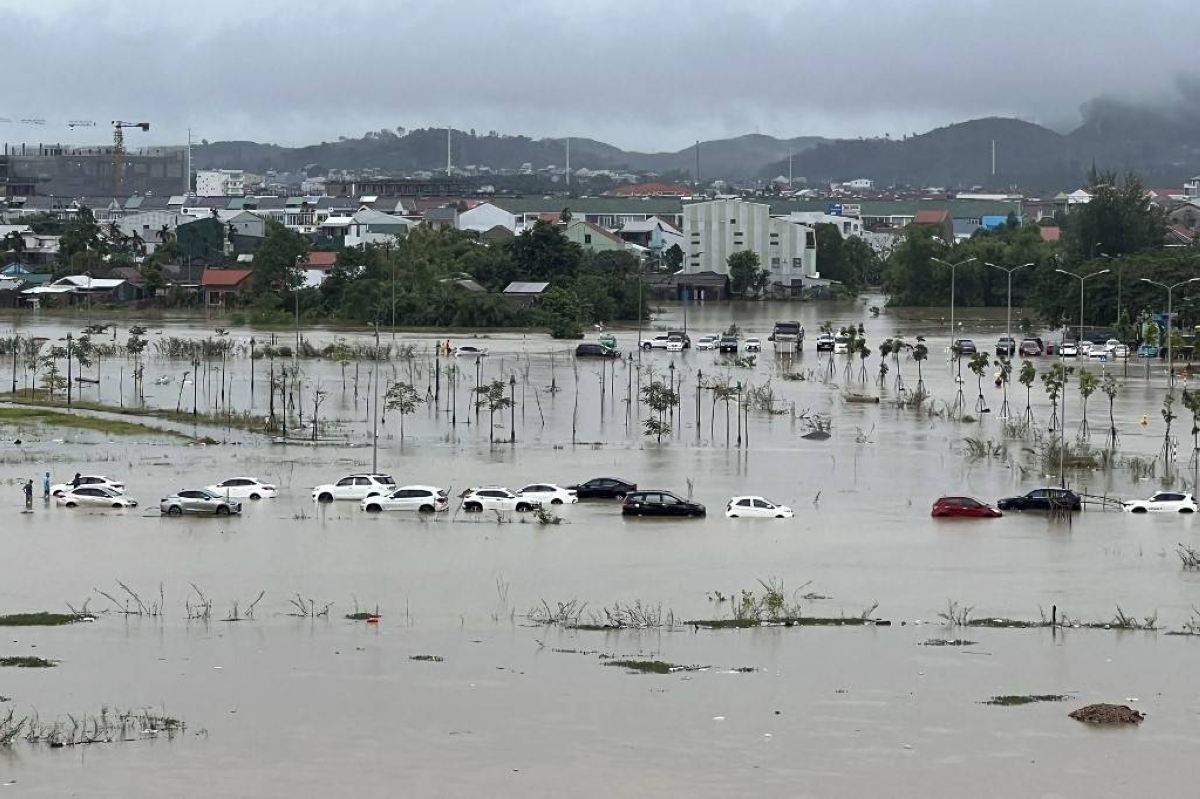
{"x": 199, "y": 501}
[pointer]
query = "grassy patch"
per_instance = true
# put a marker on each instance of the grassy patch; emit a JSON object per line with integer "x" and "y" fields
{"x": 43, "y": 619}
{"x": 239, "y": 420}
{"x": 947, "y": 642}
{"x": 427, "y": 658}
{"x": 362, "y": 615}
{"x": 116, "y": 427}
{"x": 1011, "y": 700}
{"x": 27, "y": 662}
{"x": 649, "y": 666}
{"x": 790, "y": 621}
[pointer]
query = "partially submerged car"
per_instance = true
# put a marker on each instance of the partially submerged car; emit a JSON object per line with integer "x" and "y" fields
{"x": 356, "y": 487}
{"x": 88, "y": 480}
{"x": 200, "y": 502}
{"x": 94, "y": 496}
{"x": 963, "y": 507}
{"x": 1043, "y": 499}
{"x": 659, "y": 503}
{"x": 477, "y": 500}
{"x": 755, "y": 507}
{"x": 1163, "y": 502}
{"x": 418, "y": 499}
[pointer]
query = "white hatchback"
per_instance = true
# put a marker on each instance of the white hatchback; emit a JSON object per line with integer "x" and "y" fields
{"x": 421, "y": 499}
{"x": 549, "y": 494}
{"x": 243, "y": 488}
{"x": 756, "y": 508}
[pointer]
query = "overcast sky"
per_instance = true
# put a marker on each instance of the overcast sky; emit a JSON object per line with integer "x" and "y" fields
{"x": 647, "y": 74}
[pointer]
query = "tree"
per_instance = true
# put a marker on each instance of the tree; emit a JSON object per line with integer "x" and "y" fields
{"x": 980, "y": 361}
{"x": 1117, "y": 220}
{"x": 563, "y": 313}
{"x": 1026, "y": 377}
{"x": 744, "y": 271}
{"x": 673, "y": 258}
{"x": 660, "y": 398}
{"x": 1053, "y": 382}
{"x": 319, "y": 395}
{"x": 1110, "y": 388}
{"x": 494, "y": 397}
{"x": 405, "y": 399}
{"x": 1088, "y": 383}
{"x": 276, "y": 262}
{"x": 920, "y": 353}
{"x": 1004, "y": 365}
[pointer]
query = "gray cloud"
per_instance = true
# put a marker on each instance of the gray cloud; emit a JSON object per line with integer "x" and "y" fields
{"x": 649, "y": 74}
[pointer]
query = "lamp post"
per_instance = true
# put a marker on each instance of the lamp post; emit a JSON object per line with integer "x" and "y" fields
{"x": 1116, "y": 259}
{"x": 195, "y": 382}
{"x": 1081, "y": 279}
{"x": 699, "y": 380}
{"x": 671, "y": 370}
{"x": 641, "y": 269}
{"x": 374, "y": 407}
{"x": 1170, "y": 321}
{"x": 69, "y": 371}
{"x": 283, "y": 399}
{"x": 512, "y": 409}
{"x": 953, "y": 330}
{"x": 252, "y": 371}
{"x": 739, "y": 391}
{"x": 1008, "y": 322}
{"x": 16, "y": 348}
{"x": 296, "y": 294}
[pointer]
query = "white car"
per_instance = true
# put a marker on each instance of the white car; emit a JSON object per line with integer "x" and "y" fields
{"x": 88, "y": 480}
{"x": 1116, "y": 349}
{"x": 469, "y": 352}
{"x": 1085, "y": 348}
{"x": 674, "y": 344}
{"x": 1098, "y": 353}
{"x": 477, "y": 500}
{"x": 825, "y": 343}
{"x": 549, "y": 494}
{"x": 1163, "y": 502}
{"x": 356, "y": 487}
{"x": 94, "y": 496}
{"x": 422, "y": 499}
{"x": 756, "y": 508}
{"x": 658, "y": 342}
{"x": 243, "y": 488}
{"x": 707, "y": 343}
{"x": 1069, "y": 349}
{"x": 841, "y": 344}
{"x": 752, "y": 345}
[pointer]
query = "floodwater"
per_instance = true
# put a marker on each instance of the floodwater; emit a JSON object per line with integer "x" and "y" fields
{"x": 284, "y": 706}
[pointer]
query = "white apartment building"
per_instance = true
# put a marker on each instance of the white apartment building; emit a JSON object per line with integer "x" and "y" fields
{"x": 220, "y": 182}
{"x": 847, "y": 225}
{"x": 715, "y": 230}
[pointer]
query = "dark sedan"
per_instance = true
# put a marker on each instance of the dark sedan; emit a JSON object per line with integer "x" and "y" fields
{"x": 603, "y": 488}
{"x": 660, "y": 503}
{"x": 964, "y": 346}
{"x": 595, "y": 351}
{"x": 1043, "y": 499}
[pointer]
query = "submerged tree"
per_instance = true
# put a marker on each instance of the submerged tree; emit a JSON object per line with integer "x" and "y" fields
{"x": 660, "y": 398}
{"x": 1053, "y": 381}
{"x": 1004, "y": 376}
{"x": 920, "y": 354}
{"x": 494, "y": 397}
{"x": 1168, "y": 415}
{"x": 1088, "y": 383}
{"x": 885, "y": 349}
{"x": 405, "y": 399}
{"x": 1110, "y": 388}
{"x": 1026, "y": 377}
{"x": 978, "y": 366}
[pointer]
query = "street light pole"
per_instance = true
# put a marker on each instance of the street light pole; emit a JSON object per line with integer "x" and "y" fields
{"x": 1008, "y": 321}
{"x": 512, "y": 409}
{"x": 1081, "y": 279}
{"x": 68, "y": 371}
{"x": 374, "y": 407}
{"x": 1170, "y": 322}
{"x": 699, "y": 382}
{"x": 953, "y": 330}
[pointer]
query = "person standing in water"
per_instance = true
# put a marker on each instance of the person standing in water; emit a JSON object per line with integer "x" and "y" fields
{"x": 46, "y": 487}
{"x": 28, "y": 495}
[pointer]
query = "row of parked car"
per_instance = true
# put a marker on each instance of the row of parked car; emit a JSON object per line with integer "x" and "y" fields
{"x": 219, "y": 499}
{"x": 1048, "y": 499}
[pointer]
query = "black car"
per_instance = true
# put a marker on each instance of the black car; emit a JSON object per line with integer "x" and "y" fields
{"x": 603, "y": 488}
{"x": 964, "y": 346}
{"x": 595, "y": 351}
{"x": 1006, "y": 347}
{"x": 728, "y": 344}
{"x": 659, "y": 503}
{"x": 1043, "y": 499}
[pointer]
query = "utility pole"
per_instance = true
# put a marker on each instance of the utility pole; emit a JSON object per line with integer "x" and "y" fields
{"x": 449, "y": 167}
{"x": 568, "y": 162}
{"x": 375, "y": 408}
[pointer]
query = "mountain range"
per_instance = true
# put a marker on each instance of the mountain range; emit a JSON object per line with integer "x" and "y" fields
{"x": 1159, "y": 144}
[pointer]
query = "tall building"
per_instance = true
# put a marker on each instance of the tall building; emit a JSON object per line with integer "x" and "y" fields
{"x": 65, "y": 171}
{"x": 715, "y": 230}
{"x": 220, "y": 183}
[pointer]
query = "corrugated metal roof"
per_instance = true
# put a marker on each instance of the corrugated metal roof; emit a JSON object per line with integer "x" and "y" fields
{"x": 524, "y": 287}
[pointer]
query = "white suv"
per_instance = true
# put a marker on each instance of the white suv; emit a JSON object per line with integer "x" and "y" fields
{"x": 422, "y": 499}
{"x": 658, "y": 342}
{"x": 355, "y": 486}
{"x": 476, "y": 500}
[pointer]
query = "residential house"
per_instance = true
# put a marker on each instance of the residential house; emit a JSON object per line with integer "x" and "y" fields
{"x": 316, "y": 268}
{"x": 26, "y": 273}
{"x": 486, "y": 217}
{"x": 148, "y": 226}
{"x": 593, "y": 237}
{"x": 1186, "y": 216}
{"x": 937, "y": 221}
{"x": 519, "y": 214}
{"x": 444, "y": 217}
{"x": 653, "y": 233}
{"x": 1051, "y": 234}
{"x": 650, "y": 189}
{"x": 222, "y": 286}
{"x": 133, "y": 279}
{"x": 1192, "y": 188}
{"x": 716, "y": 229}
{"x": 72, "y": 287}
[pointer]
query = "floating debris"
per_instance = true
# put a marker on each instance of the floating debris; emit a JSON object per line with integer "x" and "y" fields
{"x": 1108, "y": 714}
{"x": 1025, "y": 699}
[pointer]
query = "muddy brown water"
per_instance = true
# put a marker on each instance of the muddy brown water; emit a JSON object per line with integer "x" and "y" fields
{"x": 303, "y": 707}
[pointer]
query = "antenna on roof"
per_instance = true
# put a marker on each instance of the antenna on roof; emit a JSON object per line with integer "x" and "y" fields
{"x": 448, "y": 165}
{"x": 568, "y": 160}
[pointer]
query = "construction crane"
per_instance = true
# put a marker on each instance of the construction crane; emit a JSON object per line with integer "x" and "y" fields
{"x": 118, "y": 153}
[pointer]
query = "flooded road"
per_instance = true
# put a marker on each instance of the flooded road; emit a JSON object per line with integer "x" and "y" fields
{"x": 285, "y": 706}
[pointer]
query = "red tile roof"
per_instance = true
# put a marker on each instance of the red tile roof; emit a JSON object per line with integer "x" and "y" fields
{"x": 320, "y": 260}
{"x": 224, "y": 278}
{"x": 931, "y": 217}
{"x": 1050, "y": 233}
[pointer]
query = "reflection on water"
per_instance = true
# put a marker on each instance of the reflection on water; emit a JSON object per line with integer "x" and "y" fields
{"x": 301, "y": 707}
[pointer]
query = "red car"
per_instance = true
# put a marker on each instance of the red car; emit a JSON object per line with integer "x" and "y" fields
{"x": 964, "y": 507}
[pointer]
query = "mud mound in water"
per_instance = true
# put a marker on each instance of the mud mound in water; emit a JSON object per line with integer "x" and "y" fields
{"x": 816, "y": 435}
{"x": 1108, "y": 714}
